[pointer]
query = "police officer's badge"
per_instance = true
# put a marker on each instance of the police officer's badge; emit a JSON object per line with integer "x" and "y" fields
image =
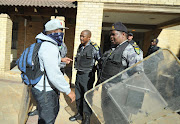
{"x": 95, "y": 45}
{"x": 113, "y": 27}
{"x": 136, "y": 48}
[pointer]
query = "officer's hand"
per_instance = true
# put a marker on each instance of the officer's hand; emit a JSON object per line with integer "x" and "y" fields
{"x": 66, "y": 60}
{"x": 72, "y": 96}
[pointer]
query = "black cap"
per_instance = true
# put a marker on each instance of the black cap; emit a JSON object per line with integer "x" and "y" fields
{"x": 155, "y": 40}
{"x": 130, "y": 34}
{"x": 119, "y": 27}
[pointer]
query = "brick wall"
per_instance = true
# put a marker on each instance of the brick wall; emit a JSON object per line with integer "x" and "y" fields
{"x": 158, "y": 2}
{"x": 32, "y": 29}
{"x": 89, "y": 16}
{"x": 5, "y": 42}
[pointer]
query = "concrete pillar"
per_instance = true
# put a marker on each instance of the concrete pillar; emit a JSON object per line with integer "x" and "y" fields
{"x": 89, "y": 16}
{"x": 5, "y": 42}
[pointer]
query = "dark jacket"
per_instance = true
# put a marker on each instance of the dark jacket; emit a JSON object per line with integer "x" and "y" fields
{"x": 152, "y": 49}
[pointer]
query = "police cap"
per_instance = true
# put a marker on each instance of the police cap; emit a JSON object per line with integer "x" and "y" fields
{"x": 130, "y": 34}
{"x": 155, "y": 40}
{"x": 118, "y": 26}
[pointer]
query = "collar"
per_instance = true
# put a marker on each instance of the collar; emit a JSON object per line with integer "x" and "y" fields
{"x": 119, "y": 45}
{"x": 87, "y": 44}
{"x": 122, "y": 43}
{"x": 131, "y": 42}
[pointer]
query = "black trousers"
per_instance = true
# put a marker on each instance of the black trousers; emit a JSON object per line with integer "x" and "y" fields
{"x": 84, "y": 82}
{"x": 48, "y": 107}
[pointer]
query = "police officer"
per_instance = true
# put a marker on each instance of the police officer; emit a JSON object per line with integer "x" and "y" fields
{"x": 153, "y": 47}
{"x": 87, "y": 54}
{"x": 121, "y": 56}
{"x": 63, "y": 52}
{"x": 134, "y": 44}
{"x": 130, "y": 38}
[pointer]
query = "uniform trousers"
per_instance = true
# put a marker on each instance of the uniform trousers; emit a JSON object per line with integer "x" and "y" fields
{"x": 84, "y": 82}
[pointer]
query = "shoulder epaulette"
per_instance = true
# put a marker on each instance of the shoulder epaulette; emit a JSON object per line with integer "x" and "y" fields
{"x": 95, "y": 45}
{"x": 136, "y": 48}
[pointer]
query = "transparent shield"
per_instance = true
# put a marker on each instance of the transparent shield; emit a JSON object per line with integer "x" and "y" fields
{"x": 142, "y": 93}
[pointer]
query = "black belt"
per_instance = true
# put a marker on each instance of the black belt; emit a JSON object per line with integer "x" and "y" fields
{"x": 82, "y": 72}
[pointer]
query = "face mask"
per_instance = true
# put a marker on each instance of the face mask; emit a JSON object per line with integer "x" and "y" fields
{"x": 58, "y": 37}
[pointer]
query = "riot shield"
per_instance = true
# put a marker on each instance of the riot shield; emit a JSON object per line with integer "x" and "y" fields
{"x": 143, "y": 93}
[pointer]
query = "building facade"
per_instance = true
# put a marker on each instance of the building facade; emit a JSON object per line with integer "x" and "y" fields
{"x": 21, "y": 21}
{"x": 146, "y": 19}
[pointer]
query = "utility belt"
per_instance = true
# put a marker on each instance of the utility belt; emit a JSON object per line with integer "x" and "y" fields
{"x": 83, "y": 72}
{"x": 93, "y": 70}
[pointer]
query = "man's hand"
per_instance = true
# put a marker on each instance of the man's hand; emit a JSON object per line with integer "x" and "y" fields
{"x": 72, "y": 96}
{"x": 66, "y": 60}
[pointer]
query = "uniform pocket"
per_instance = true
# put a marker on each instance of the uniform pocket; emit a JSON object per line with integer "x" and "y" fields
{"x": 89, "y": 55}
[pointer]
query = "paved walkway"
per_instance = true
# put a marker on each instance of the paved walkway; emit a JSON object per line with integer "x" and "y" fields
{"x": 66, "y": 107}
{"x": 66, "y": 110}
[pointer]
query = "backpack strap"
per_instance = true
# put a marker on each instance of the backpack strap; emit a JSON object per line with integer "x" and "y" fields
{"x": 44, "y": 82}
{"x": 44, "y": 87}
